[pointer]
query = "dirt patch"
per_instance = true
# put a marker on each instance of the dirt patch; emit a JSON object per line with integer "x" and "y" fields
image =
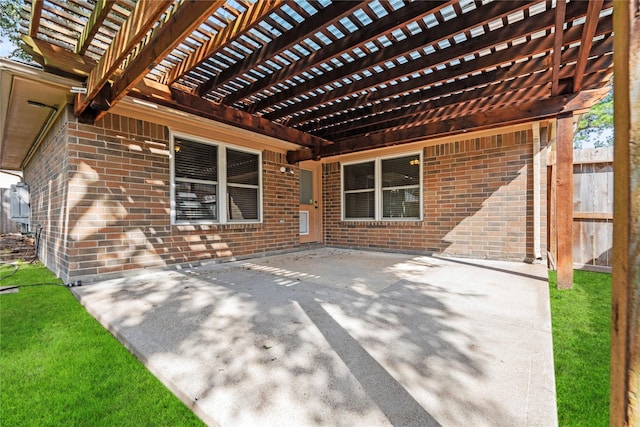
{"x": 16, "y": 247}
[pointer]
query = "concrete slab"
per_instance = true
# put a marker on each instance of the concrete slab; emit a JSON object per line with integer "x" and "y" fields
{"x": 343, "y": 338}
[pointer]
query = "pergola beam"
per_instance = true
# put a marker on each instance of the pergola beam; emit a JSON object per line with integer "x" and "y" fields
{"x": 279, "y": 44}
{"x": 593, "y": 15}
{"x": 60, "y": 60}
{"x": 436, "y": 34}
{"x": 519, "y": 113}
{"x": 558, "y": 35}
{"x": 100, "y": 12}
{"x": 143, "y": 17}
{"x": 164, "y": 95}
{"x": 34, "y": 17}
{"x": 233, "y": 30}
{"x": 410, "y": 13}
{"x": 517, "y": 89}
{"x": 183, "y": 20}
{"x": 448, "y": 55}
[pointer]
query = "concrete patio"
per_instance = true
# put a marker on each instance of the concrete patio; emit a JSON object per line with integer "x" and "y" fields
{"x": 332, "y": 337}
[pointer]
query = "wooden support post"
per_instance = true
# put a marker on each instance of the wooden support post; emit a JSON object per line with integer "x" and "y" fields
{"x": 625, "y": 321}
{"x": 564, "y": 200}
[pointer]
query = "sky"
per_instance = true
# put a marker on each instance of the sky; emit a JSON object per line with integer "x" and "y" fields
{"x": 5, "y": 47}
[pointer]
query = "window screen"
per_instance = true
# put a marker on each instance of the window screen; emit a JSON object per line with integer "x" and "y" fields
{"x": 359, "y": 191}
{"x": 383, "y": 189}
{"x": 199, "y": 192}
{"x": 243, "y": 185}
{"x": 196, "y": 181}
{"x": 401, "y": 187}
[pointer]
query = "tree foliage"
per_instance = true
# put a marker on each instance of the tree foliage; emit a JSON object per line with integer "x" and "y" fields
{"x": 596, "y": 125}
{"x": 9, "y": 19}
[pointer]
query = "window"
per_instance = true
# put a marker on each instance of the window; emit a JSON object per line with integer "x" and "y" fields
{"x": 387, "y": 189}
{"x": 243, "y": 185}
{"x": 215, "y": 183}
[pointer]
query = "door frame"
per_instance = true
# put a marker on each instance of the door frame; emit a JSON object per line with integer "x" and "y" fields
{"x": 316, "y": 234}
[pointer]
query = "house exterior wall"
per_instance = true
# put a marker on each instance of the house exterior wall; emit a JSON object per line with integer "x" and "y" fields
{"x": 103, "y": 194}
{"x": 46, "y": 173}
{"x": 478, "y": 202}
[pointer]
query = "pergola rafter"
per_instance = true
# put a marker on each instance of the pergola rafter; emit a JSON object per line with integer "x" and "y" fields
{"x": 329, "y": 72}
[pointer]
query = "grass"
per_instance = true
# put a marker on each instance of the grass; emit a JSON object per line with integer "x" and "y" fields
{"x": 581, "y": 320}
{"x": 59, "y": 366}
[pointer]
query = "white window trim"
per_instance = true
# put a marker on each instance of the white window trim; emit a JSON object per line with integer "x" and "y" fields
{"x": 377, "y": 190}
{"x": 222, "y": 181}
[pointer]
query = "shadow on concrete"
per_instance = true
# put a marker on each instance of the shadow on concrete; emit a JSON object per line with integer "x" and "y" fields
{"x": 247, "y": 347}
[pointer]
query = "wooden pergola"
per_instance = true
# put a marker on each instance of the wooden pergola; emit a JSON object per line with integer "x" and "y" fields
{"x": 345, "y": 76}
{"x": 336, "y": 77}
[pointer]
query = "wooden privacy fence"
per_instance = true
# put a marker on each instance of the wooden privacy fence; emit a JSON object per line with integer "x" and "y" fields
{"x": 592, "y": 208}
{"x": 6, "y": 225}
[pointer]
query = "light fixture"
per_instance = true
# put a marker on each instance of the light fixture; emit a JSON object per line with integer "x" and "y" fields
{"x": 285, "y": 170}
{"x": 414, "y": 162}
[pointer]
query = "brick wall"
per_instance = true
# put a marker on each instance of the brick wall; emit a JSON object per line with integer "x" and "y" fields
{"x": 478, "y": 202}
{"x": 113, "y": 194}
{"x": 46, "y": 175}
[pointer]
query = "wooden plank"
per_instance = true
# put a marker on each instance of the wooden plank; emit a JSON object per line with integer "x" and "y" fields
{"x": 625, "y": 321}
{"x": 163, "y": 95}
{"x": 323, "y": 18}
{"x": 593, "y": 215}
{"x": 593, "y": 14}
{"x": 145, "y": 14}
{"x": 593, "y": 155}
{"x": 564, "y": 200}
{"x": 54, "y": 57}
{"x": 416, "y": 42}
{"x": 448, "y": 72}
{"x": 411, "y": 12}
{"x": 182, "y": 22}
{"x": 233, "y": 30}
{"x": 519, "y": 113}
{"x": 561, "y": 7}
{"x": 34, "y": 17}
{"x": 100, "y": 12}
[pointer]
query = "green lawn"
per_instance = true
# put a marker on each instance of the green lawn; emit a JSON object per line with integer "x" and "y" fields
{"x": 581, "y": 320}
{"x": 59, "y": 366}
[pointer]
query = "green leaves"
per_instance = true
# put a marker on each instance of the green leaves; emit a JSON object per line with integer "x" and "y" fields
{"x": 596, "y": 125}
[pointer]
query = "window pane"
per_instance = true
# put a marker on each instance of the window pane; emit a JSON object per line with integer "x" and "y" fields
{"x": 196, "y": 201}
{"x": 242, "y": 168}
{"x": 359, "y": 177}
{"x": 195, "y": 160}
{"x": 306, "y": 187}
{"x": 403, "y": 203}
{"x": 359, "y": 205}
{"x": 401, "y": 171}
{"x": 242, "y": 203}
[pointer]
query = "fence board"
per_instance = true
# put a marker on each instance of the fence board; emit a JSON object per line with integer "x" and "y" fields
{"x": 593, "y": 207}
{"x": 6, "y": 225}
